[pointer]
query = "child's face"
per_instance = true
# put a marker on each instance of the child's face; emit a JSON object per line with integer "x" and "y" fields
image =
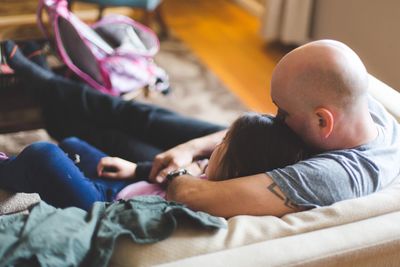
{"x": 215, "y": 160}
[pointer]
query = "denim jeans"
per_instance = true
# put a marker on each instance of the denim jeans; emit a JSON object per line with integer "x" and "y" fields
{"x": 50, "y": 170}
{"x": 127, "y": 129}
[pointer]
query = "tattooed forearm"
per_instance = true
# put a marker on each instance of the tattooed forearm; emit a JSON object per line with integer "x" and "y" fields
{"x": 290, "y": 204}
{"x": 273, "y": 188}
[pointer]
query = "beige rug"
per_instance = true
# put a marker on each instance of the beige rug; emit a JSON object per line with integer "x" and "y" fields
{"x": 196, "y": 92}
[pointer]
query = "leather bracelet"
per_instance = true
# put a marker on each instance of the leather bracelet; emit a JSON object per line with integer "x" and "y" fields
{"x": 172, "y": 174}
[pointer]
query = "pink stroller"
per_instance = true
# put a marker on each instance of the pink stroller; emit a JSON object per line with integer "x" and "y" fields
{"x": 114, "y": 55}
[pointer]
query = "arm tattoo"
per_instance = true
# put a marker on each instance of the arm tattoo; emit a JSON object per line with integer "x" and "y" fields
{"x": 288, "y": 203}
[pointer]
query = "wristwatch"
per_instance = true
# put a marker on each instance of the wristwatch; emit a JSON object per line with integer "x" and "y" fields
{"x": 172, "y": 174}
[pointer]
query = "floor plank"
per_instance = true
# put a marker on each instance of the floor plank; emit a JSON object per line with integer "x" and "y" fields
{"x": 226, "y": 38}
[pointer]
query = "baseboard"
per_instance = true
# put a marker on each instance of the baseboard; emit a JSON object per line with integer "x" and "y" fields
{"x": 252, "y": 6}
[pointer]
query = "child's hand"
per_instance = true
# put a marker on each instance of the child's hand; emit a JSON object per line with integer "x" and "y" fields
{"x": 197, "y": 168}
{"x": 116, "y": 168}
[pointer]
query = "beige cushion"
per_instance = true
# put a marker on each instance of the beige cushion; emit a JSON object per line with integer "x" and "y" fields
{"x": 386, "y": 95}
{"x": 243, "y": 230}
{"x": 371, "y": 242}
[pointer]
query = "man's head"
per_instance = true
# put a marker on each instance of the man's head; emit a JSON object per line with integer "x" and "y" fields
{"x": 320, "y": 89}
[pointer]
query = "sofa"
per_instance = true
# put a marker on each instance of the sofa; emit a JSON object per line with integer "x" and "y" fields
{"x": 356, "y": 232}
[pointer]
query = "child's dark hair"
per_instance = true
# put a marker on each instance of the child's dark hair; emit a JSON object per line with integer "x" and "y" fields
{"x": 258, "y": 143}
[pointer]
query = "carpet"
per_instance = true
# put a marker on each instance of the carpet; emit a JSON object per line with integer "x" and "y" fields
{"x": 196, "y": 92}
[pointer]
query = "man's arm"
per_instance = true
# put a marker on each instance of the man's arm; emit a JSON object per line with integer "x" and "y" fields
{"x": 250, "y": 195}
{"x": 182, "y": 155}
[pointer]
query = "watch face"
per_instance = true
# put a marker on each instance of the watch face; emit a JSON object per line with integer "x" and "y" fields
{"x": 173, "y": 174}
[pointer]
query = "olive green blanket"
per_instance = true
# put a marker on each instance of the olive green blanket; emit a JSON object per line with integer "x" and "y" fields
{"x": 72, "y": 237}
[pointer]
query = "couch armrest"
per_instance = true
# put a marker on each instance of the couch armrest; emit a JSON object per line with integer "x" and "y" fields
{"x": 386, "y": 95}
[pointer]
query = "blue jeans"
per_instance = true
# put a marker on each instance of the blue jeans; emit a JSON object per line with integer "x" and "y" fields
{"x": 48, "y": 169}
{"x": 127, "y": 129}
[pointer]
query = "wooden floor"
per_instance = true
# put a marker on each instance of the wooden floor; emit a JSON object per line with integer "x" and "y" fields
{"x": 223, "y": 35}
{"x": 226, "y": 38}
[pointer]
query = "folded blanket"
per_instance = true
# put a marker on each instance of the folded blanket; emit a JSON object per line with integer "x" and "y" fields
{"x": 16, "y": 202}
{"x": 72, "y": 237}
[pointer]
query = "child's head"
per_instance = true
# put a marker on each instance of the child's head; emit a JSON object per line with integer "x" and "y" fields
{"x": 254, "y": 144}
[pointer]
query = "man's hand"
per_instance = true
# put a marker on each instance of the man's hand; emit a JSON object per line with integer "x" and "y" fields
{"x": 116, "y": 168}
{"x": 182, "y": 155}
{"x": 170, "y": 160}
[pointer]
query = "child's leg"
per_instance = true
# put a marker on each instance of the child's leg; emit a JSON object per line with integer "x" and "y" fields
{"x": 87, "y": 157}
{"x": 45, "y": 169}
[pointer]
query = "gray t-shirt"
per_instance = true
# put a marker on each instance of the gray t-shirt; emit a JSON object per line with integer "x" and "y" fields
{"x": 349, "y": 173}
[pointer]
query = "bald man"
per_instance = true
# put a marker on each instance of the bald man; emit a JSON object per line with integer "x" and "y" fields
{"x": 320, "y": 90}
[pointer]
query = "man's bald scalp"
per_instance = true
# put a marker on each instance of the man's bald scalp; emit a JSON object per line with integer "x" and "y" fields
{"x": 326, "y": 71}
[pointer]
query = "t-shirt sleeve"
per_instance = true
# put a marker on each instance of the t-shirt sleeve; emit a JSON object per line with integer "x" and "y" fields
{"x": 323, "y": 180}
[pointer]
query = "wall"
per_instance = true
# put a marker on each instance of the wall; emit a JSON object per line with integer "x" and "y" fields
{"x": 371, "y": 28}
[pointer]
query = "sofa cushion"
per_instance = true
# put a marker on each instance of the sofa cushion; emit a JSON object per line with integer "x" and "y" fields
{"x": 367, "y": 243}
{"x": 386, "y": 95}
{"x": 245, "y": 230}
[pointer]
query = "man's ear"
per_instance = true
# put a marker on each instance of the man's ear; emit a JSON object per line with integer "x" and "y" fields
{"x": 325, "y": 121}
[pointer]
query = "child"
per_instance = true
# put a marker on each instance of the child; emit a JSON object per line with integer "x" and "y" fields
{"x": 254, "y": 144}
